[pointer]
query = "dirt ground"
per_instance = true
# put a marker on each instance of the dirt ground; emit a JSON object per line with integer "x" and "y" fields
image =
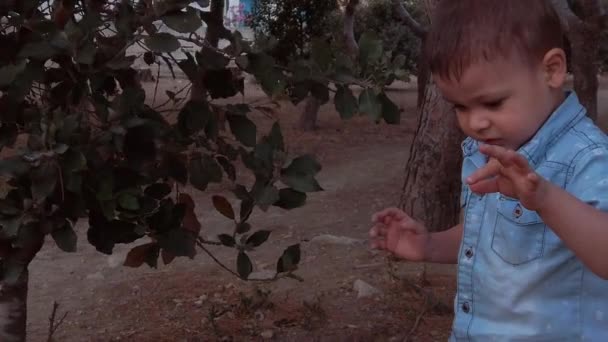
{"x": 195, "y": 300}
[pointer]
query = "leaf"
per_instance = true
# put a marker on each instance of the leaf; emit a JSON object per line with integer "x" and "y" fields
{"x": 390, "y": 112}
{"x": 149, "y": 58}
{"x": 289, "y": 259}
{"x": 268, "y": 196}
{"x": 8, "y": 134}
{"x": 212, "y": 59}
{"x": 8, "y": 72}
{"x": 275, "y": 138}
{"x": 243, "y": 227}
{"x": 177, "y": 169}
{"x": 12, "y": 271}
{"x": 321, "y": 53}
{"x": 179, "y": 242}
{"x": 221, "y": 83}
{"x": 320, "y": 91}
{"x": 226, "y": 240}
{"x": 258, "y": 238}
{"x": 183, "y": 22}
{"x": 40, "y": 50}
{"x": 243, "y": 265}
{"x": 44, "y": 180}
{"x": 302, "y": 182}
{"x": 290, "y": 199}
{"x": 104, "y": 233}
{"x": 147, "y": 253}
{"x": 162, "y": 42}
{"x": 203, "y": 171}
{"x": 345, "y": 102}
{"x": 306, "y": 164}
{"x": 65, "y": 238}
{"x": 86, "y": 54}
{"x": 128, "y": 201}
{"x": 193, "y": 117}
{"x": 227, "y": 166}
{"x": 370, "y": 48}
{"x": 158, "y": 190}
{"x": 13, "y": 166}
{"x": 189, "y": 67}
{"x": 190, "y": 221}
{"x": 243, "y": 129}
{"x": 167, "y": 257}
{"x": 370, "y": 105}
{"x": 224, "y": 207}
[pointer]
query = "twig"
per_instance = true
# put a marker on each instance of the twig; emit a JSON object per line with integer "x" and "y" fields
{"x": 156, "y": 86}
{"x": 418, "y": 320}
{"x": 52, "y": 326}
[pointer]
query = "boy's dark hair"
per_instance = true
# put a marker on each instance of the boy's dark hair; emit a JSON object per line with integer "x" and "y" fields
{"x": 464, "y": 32}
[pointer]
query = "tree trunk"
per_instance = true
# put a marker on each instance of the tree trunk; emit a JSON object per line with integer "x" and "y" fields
{"x": 584, "y": 41}
{"x": 13, "y": 310}
{"x": 432, "y": 176}
{"x": 308, "y": 119}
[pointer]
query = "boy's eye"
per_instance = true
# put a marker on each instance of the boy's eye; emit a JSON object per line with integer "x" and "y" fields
{"x": 494, "y": 104}
{"x": 459, "y": 108}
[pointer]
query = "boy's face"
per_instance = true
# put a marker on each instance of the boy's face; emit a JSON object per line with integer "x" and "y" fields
{"x": 502, "y": 102}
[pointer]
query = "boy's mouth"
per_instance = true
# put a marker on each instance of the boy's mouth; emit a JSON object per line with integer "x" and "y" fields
{"x": 492, "y": 141}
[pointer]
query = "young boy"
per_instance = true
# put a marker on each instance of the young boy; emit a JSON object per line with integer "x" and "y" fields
{"x": 532, "y": 248}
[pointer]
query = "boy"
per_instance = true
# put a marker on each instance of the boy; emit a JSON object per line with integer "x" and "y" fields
{"x": 532, "y": 247}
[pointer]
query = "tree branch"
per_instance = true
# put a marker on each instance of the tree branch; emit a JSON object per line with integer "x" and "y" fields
{"x": 349, "y": 28}
{"x": 566, "y": 15}
{"x": 407, "y": 18}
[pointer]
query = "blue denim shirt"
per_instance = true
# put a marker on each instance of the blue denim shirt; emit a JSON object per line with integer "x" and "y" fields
{"x": 517, "y": 281}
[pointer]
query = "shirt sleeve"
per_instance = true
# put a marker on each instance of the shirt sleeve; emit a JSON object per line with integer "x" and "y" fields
{"x": 589, "y": 177}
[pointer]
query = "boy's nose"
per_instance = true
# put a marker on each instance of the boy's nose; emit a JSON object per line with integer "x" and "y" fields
{"x": 479, "y": 123}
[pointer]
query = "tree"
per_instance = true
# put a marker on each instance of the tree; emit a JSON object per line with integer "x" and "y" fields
{"x": 80, "y": 141}
{"x": 432, "y": 178}
{"x": 584, "y": 21}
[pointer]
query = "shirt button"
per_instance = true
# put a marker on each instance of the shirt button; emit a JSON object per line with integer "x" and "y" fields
{"x": 466, "y": 308}
{"x": 469, "y": 253}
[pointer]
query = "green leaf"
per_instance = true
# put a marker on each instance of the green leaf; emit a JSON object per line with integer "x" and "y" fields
{"x": 346, "y": 103}
{"x": 203, "y": 171}
{"x": 65, "y": 238}
{"x": 222, "y": 84}
{"x": 44, "y": 180}
{"x": 13, "y": 166}
{"x": 390, "y": 111}
{"x": 177, "y": 169}
{"x": 193, "y": 117}
{"x": 73, "y": 160}
{"x": 227, "y": 166}
{"x": 306, "y": 164}
{"x": 243, "y": 227}
{"x": 275, "y": 138}
{"x": 246, "y": 209}
{"x": 258, "y": 238}
{"x": 12, "y": 271}
{"x": 40, "y": 50}
{"x": 243, "y": 129}
{"x": 289, "y": 260}
{"x": 128, "y": 201}
{"x": 162, "y": 42}
{"x": 147, "y": 253}
{"x": 290, "y": 199}
{"x": 320, "y": 91}
{"x": 321, "y": 53}
{"x": 86, "y": 54}
{"x": 183, "y": 22}
{"x": 10, "y": 227}
{"x": 370, "y": 48}
{"x": 243, "y": 265}
{"x": 302, "y": 182}
{"x": 158, "y": 190}
{"x": 370, "y": 104}
{"x": 9, "y": 72}
{"x": 226, "y": 240}
{"x": 224, "y": 207}
{"x": 212, "y": 59}
{"x": 268, "y": 196}
{"x": 8, "y": 134}
{"x": 178, "y": 242}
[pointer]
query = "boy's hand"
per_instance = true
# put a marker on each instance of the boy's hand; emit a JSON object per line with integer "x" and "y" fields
{"x": 510, "y": 174}
{"x": 399, "y": 234}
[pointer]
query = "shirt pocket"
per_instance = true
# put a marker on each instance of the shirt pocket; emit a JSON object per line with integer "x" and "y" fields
{"x": 519, "y": 233}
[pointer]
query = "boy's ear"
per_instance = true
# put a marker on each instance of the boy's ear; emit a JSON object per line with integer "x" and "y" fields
{"x": 555, "y": 67}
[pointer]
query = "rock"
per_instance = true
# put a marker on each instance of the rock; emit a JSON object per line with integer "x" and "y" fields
{"x": 336, "y": 240}
{"x": 198, "y": 303}
{"x": 96, "y": 276}
{"x": 267, "y": 334}
{"x": 365, "y": 290}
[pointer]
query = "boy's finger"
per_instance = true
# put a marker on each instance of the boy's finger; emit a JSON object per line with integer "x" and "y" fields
{"x": 486, "y": 186}
{"x": 394, "y": 212}
{"x": 413, "y": 227}
{"x": 490, "y": 170}
{"x": 378, "y": 230}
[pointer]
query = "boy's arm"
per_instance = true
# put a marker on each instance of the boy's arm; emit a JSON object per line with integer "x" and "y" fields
{"x": 444, "y": 246}
{"x": 582, "y": 227}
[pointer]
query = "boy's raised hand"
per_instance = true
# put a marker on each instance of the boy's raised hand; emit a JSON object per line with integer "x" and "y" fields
{"x": 398, "y": 233}
{"x": 510, "y": 174}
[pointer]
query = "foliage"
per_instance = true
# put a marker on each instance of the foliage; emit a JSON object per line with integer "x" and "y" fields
{"x": 293, "y": 23}
{"x": 397, "y": 38}
{"x": 82, "y": 141}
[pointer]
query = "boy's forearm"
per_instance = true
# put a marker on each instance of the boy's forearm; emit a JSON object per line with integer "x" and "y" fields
{"x": 583, "y": 228}
{"x": 444, "y": 246}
